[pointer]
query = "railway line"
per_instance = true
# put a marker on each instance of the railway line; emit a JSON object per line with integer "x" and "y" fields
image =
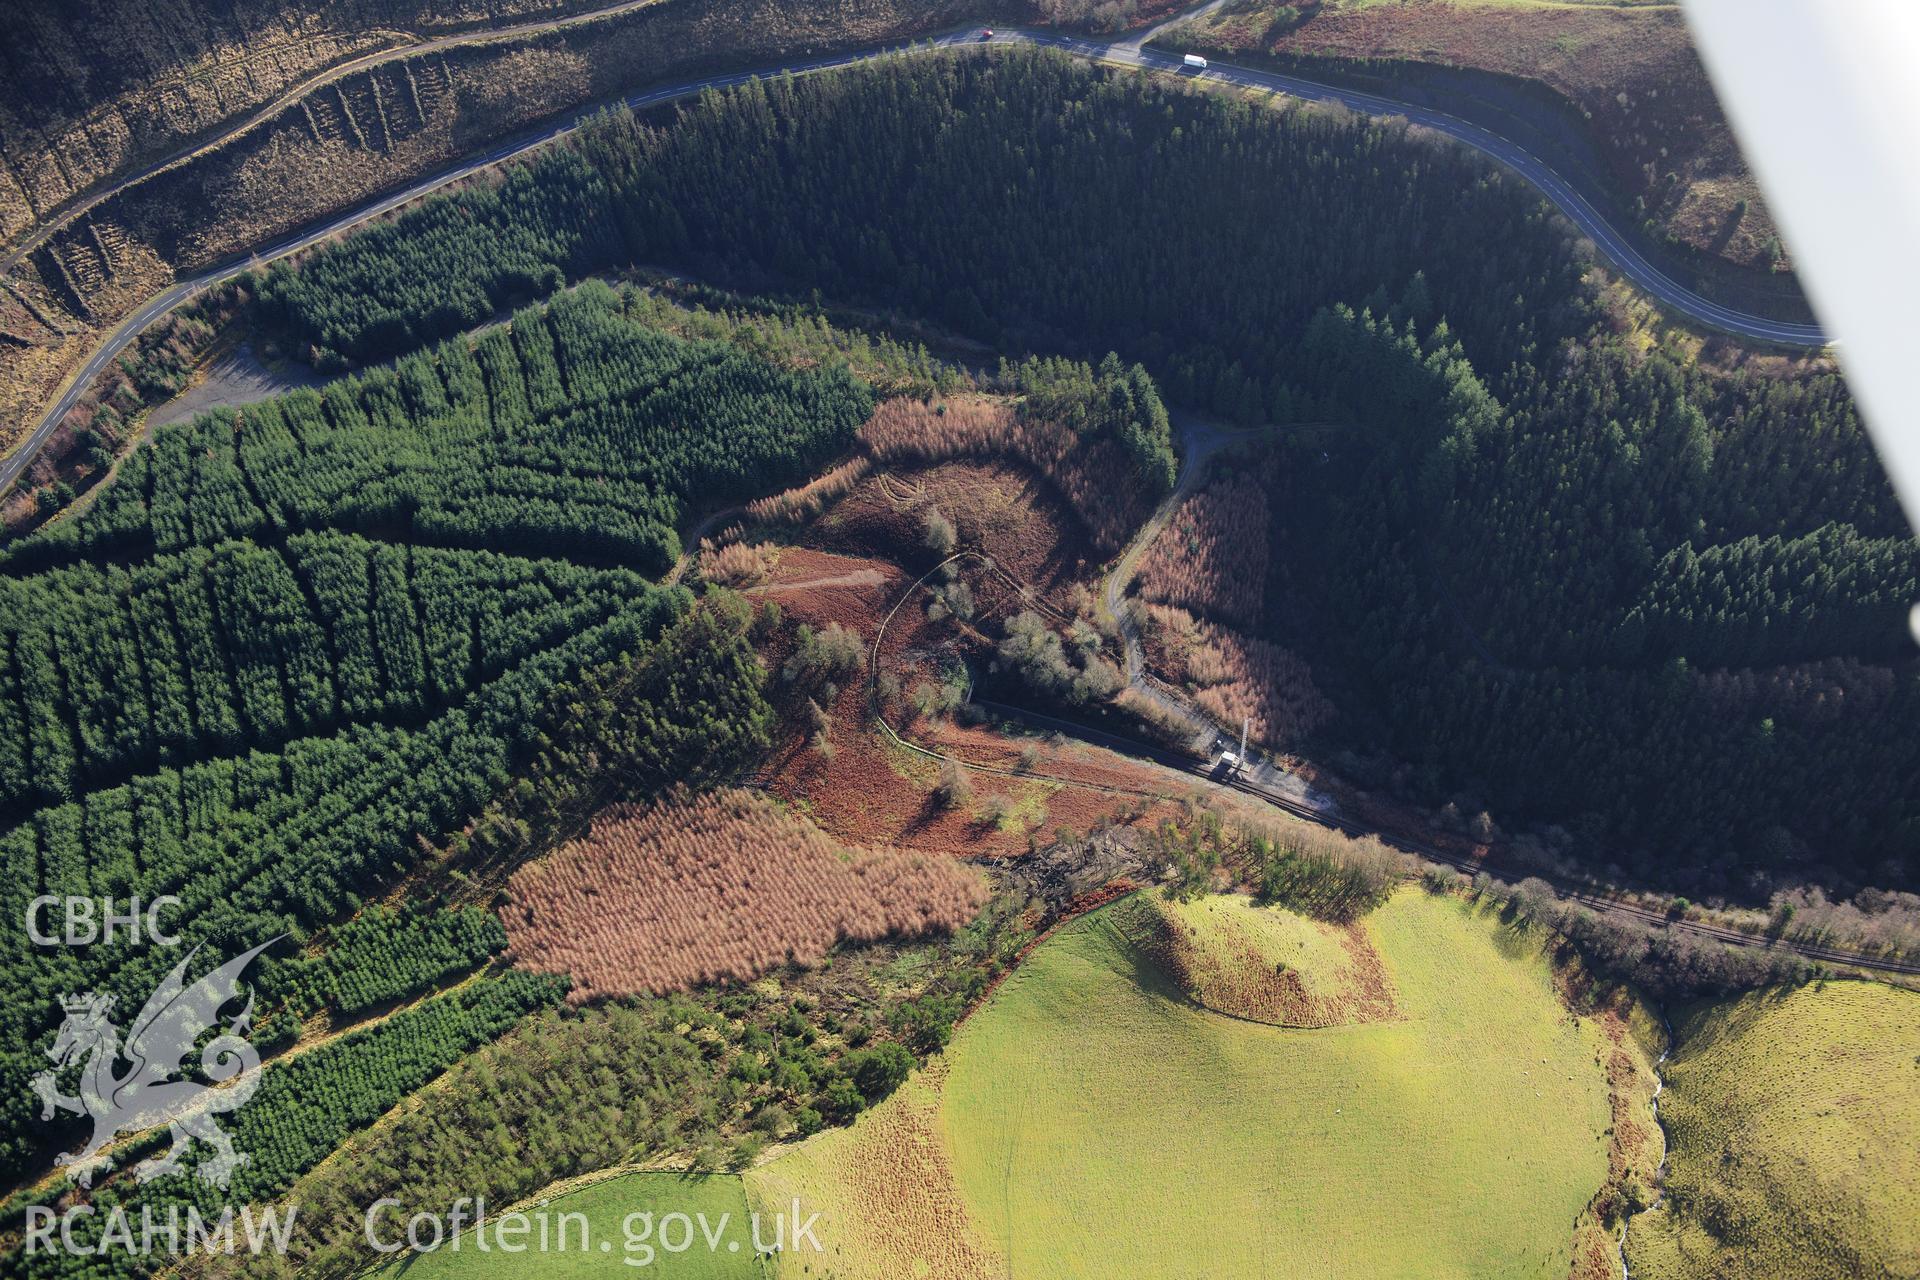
{"x": 1286, "y": 801}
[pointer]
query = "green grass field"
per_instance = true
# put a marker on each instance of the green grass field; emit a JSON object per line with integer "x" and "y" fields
{"x": 1236, "y": 957}
{"x": 633, "y": 1246}
{"x": 1794, "y": 1123}
{"x": 1092, "y": 1122}
{"x": 1231, "y": 925}
{"x": 1100, "y": 1127}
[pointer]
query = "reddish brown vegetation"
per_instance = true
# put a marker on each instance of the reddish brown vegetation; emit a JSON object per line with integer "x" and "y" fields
{"x": 1107, "y": 16}
{"x": 1002, "y": 508}
{"x": 1014, "y": 516}
{"x": 1237, "y": 676}
{"x": 819, "y": 587}
{"x": 804, "y": 502}
{"x": 1212, "y": 556}
{"x": 869, "y": 790}
{"x": 913, "y": 431}
{"x": 718, "y": 887}
{"x": 908, "y": 430}
{"x": 737, "y": 564}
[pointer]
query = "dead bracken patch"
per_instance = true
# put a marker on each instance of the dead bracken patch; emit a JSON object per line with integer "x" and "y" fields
{"x": 1000, "y": 507}
{"x": 893, "y": 1193}
{"x": 1236, "y": 676}
{"x": 901, "y": 1172}
{"x": 907, "y": 431}
{"x": 718, "y": 887}
{"x": 870, "y": 790}
{"x": 1212, "y": 556}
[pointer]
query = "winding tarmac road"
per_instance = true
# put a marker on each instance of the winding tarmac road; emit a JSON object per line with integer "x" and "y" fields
{"x": 1132, "y": 53}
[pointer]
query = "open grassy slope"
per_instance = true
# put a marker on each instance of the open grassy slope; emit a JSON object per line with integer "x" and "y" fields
{"x": 1794, "y": 1122}
{"x": 1235, "y": 957}
{"x": 1097, "y": 1123}
{"x": 1461, "y": 1142}
{"x": 885, "y": 1194}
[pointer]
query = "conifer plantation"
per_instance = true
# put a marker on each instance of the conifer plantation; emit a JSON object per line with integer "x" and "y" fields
{"x": 1180, "y": 591}
{"x": 1662, "y": 603}
{"x": 290, "y": 646}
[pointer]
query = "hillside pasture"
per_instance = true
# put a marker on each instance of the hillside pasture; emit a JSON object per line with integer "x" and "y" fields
{"x": 1793, "y": 1119}
{"x": 1093, "y": 1121}
{"x": 1460, "y": 1141}
{"x": 1263, "y": 964}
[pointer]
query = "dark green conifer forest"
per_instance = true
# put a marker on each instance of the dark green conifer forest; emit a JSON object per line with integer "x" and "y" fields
{"x": 295, "y": 654}
{"x": 289, "y": 643}
{"x": 1583, "y": 581}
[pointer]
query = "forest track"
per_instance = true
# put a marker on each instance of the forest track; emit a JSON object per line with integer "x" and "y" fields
{"x": 406, "y": 45}
{"x": 1601, "y": 903}
{"x": 695, "y": 534}
{"x": 1129, "y": 52}
{"x": 1202, "y": 440}
{"x": 1268, "y": 781}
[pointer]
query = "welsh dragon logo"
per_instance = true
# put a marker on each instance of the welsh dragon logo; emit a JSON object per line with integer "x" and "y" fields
{"x": 146, "y": 1094}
